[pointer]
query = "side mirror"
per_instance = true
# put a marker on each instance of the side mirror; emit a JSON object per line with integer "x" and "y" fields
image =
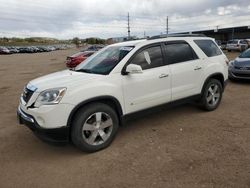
{"x": 134, "y": 69}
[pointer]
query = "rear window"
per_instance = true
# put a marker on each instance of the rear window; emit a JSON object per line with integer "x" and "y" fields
{"x": 208, "y": 47}
{"x": 233, "y": 42}
{"x": 243, "y": 42}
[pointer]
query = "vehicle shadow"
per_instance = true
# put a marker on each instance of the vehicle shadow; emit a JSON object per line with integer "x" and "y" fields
{"x": 242, "y": 82}
{"x": 151, "y": 119}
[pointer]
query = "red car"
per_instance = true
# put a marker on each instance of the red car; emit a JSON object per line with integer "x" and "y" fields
{"x": 76, "y": 59}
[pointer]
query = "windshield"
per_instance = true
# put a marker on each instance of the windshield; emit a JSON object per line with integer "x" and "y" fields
{"x": 105, "y": 60}
{"x": 245, "y": 54}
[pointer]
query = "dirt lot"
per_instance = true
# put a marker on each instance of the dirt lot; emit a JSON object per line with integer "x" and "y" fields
{"x": 180, "y": 147}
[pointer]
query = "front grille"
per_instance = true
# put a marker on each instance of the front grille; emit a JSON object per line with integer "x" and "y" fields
{"x": 27, "y": 93}
{"x": 242, "y": 68}
{"x": 242, "y": 75}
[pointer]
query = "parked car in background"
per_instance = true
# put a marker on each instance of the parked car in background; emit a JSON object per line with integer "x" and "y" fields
{"x": 248, "y": 42}
{"x": 4, "y": 50}
{"x": 223, "y": 45}
{"x": 32, "y": 49}
{"x": 95, "y": 47}
{"x": 218, "y": 43}
{"x": 237, "y": 45}
{"x": 240, "y": 67}
{"x": 76, "y": 59}
{"x": 13, "y": 50}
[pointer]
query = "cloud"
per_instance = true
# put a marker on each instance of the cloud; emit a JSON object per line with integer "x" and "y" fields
{"x": 108, "y": 18}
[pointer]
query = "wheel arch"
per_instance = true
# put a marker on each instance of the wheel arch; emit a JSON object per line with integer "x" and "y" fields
{"x": 217, "y": 76}
{"x": 109, "y": 100}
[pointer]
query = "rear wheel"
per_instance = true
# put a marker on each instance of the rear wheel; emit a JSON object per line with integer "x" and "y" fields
{"x": 94, "y": 127}
{"x": 212, "y": 94}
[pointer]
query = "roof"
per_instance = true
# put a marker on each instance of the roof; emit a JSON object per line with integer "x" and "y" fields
{"x": 151, "y": 41}
{"x": 129, "y": 43}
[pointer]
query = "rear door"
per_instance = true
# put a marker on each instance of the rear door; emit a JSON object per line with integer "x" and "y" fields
{"x": 150, "y": 88}
{"x": 185, "y": 67}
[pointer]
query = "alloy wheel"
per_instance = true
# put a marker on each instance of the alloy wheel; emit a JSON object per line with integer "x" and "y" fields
{"x": 213, "y": 95}
{"x": 97, "y": 128}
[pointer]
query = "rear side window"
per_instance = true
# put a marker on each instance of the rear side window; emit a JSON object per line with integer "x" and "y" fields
{"x": 243, "y": 42}
{"x": 179, "y": 52}
{"x": 208, "y": 47}
{"x": 149, "y": 58}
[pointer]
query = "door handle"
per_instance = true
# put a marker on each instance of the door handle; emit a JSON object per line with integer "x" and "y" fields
{"x": 198, "y": 68}
{"x": 163, "y": 76}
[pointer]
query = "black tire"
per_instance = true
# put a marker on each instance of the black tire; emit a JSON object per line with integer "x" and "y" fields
{"x": 82, "y": 116}
{"x": 204, "y": 104}
{"x": 229, "y": 50}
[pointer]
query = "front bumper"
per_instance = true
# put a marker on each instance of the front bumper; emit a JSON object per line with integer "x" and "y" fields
{"x": 236, "y": 74}
{"x": 55, "y": 135}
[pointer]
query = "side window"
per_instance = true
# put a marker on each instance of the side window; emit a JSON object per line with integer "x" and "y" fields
{"x": 243, "y": 42}
{"x": 149, "y": 58}
{"x": 179, "y": 52}
{"x": 208, "y": 47}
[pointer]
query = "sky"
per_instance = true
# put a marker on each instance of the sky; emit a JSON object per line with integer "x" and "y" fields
{"x": 65, "y": 19}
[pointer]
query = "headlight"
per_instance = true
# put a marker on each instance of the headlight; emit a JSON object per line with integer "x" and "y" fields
{"x": 50, "y": 96}
{"x": 231, "y": 64}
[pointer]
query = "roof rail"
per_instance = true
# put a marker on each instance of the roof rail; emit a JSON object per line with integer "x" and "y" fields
{"x": 176, "y": 35}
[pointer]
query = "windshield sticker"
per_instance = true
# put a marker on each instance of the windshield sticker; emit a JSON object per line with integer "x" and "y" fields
{"x": 126, "y": 48}
{"x": 147, "y": 57}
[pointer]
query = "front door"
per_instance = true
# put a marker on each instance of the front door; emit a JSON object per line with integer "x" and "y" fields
{"x": 150, "y": 88}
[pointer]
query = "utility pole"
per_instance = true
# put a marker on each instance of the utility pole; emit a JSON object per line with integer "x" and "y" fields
{"x": 144, "y": 34}
{"x": 217, "y": 29}
{"x": 167, "y": 26}
{"x": 128, "y": 27}
{"x": 233, "y": 34}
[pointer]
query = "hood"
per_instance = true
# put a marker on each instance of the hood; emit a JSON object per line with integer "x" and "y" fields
{"x": 64, "y": 78}
{"x": 242, "y": 62}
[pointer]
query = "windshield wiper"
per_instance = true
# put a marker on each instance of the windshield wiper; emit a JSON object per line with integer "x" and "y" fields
{"x": 84, "y": 70}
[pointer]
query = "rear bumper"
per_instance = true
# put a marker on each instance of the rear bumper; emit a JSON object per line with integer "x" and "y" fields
{"x": 55, "y": 135}
{"x": 234, "y": 48}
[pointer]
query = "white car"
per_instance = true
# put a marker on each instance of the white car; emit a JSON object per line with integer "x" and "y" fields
{"x": 237, "y": 45}
{"x": 87, "y": 105}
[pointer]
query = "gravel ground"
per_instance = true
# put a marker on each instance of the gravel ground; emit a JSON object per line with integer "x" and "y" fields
{"x": 179, "y": 147}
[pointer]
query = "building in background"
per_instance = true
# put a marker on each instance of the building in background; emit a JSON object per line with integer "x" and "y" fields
{"x": 225, "y": 34}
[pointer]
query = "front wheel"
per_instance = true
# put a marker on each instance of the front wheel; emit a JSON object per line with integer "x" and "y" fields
{"x": 211, "y": 96}
{"x": 94, "y": 127}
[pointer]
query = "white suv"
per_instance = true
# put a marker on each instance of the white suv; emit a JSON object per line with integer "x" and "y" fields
{"x": 87, "y": 105}
{"x": 238, "y": 45}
